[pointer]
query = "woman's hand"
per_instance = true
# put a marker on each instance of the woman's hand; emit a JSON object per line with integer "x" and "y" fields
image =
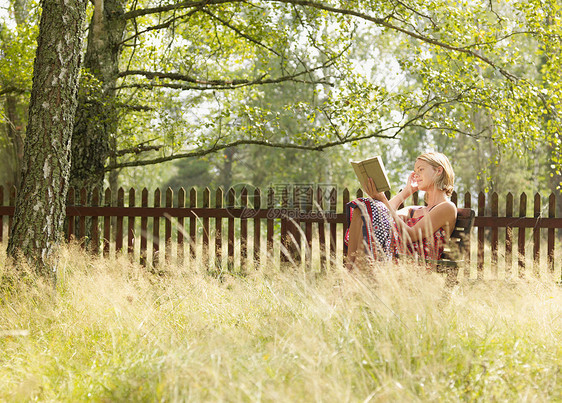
{"x": 373, "y": 192}
{"x": 411, "y": 184}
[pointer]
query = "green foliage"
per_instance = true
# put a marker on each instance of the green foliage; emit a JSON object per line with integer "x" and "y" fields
{"x": 410, "y": 76}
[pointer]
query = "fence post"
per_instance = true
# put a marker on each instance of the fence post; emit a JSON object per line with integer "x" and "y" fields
{"x": 243, "y": 230}
{"x": 95, "y": 247}
{"x": 144, "y": 228}
{"x": 537, "y": 236}
{"x": 480, "y": 255}
{"x": 193, "y": 226}
{"x": 107, "y": 223}
{"x": 82, "y": 219}
{"x": 168, "y": 226}
{"x": 131, "y": 226}
{"x": 550, "y": 236}
{"x": 230, "y": 203}
{"x": 119, "y": 225}
{"x": 509, "y": 235}
{"x": 308, "y": 226}
{"x": 270, "y": 255}
{"x": 218, "y": 228}
{"x": 467, "y": 204}
{"x": 494, "y": 238}
{"x": 345, "y": 199}
{"x": 321, "y": 229}
{"x": 156, "y": 231}
{"x": 521, "y": 235}
{"x": 206, "y": 228}
{"x": 181, "y": 229}
{"x": 257, "y": 229}
{"x": 284, "y": 244}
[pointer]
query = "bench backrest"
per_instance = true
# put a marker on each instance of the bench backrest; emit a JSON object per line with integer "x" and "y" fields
{"x": 458, "y": 243}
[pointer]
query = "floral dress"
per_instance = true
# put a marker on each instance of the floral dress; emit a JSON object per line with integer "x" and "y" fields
{"x": 382, "y": 238}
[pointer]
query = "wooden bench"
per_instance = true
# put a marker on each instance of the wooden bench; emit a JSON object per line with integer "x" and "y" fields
{"x": 458, "y": 246}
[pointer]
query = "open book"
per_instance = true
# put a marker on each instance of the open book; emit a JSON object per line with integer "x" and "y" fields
{"x": 371, "y": 168}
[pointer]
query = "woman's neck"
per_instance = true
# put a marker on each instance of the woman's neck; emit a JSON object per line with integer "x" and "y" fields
{"x": 434, "y": 197}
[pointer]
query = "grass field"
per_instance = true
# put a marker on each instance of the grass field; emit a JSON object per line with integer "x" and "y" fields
{"x": 111, "y": 331}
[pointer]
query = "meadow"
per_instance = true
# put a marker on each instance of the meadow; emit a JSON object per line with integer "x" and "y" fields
{"x": 110, "y": 330}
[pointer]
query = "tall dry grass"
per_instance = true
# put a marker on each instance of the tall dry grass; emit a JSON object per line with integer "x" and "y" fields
{"x": 112, "y": 331}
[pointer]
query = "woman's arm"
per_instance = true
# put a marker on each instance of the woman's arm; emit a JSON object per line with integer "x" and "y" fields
{"x": 442, "y": 216}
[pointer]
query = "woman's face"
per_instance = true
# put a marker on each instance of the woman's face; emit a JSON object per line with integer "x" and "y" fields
{"x": 424, "y": 175}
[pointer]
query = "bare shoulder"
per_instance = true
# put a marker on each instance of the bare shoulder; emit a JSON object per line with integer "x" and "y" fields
{"x": 448, "y": 208}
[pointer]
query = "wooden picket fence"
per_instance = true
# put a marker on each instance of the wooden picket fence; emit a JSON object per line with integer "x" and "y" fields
{"x": 243, "y": 229}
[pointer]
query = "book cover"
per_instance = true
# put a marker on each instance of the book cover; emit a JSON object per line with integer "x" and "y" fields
{"x": 372, "y": 168}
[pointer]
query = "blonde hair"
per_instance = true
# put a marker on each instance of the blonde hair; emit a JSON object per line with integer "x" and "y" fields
{"x": 446, "y": 179}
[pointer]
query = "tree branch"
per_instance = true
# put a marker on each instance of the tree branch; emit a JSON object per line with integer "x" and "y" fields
{"x": 239, "y": 32}
{"x": 178, "y": 6}
{"x": 12, "y": 90}
{"x": 135, "y": 150}
{"x": 386, "y": 24}
{"x": 216, "y": 84}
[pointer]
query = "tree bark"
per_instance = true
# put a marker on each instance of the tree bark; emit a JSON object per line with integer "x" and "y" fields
{"x": 41, "y": 200}
{"x": 96, "y": 116}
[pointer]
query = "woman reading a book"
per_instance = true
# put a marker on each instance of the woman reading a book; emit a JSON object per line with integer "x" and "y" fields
{"x": 379, "y": 231}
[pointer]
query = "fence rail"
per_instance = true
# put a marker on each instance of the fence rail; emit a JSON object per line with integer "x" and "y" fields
{"x": 243, "y": 229}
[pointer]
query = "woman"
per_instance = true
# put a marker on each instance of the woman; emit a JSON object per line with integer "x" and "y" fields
{"x": 378, "y": 231}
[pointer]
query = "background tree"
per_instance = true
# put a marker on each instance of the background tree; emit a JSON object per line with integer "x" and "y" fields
{"x": 17, "y": 49}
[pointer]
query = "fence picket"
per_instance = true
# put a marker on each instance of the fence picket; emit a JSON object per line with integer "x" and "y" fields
{"x": 156, "y": 231}
{"x": 82, "y": 219}
{"x": 131, "y": 225}
{"x": 95, "y": 242}
{"x": 269, "y": 230}
{"x": 218, "y": 229}
{"x": 119, "y": 223}
{"x": 480, "y": 254}
{"x": 494, "y": 237}
{"x": 466, "y": 269}
{"x": 333, "y": 232}
{"x": 284, "y": 229}
{"x": 536, "y": 236}
{"x": 345, "y": 200}
{"x": 206, "y": 228}
{"x": 321, "y": 229}
{"x": 107, "y": 223}
{"x": 308, "y": 201}
{"x": 192, "y": 225}
{"x": 509, "y": 236}
{"x": 168, "y": 226}
{"x": 181, "y": 228}
{"x": 257, "y": 229}
{"x": 521, "y": 235}
{"x": 144, "y": 228}
{"x": 550, "y": 234}
{"x": 230, "y": 203}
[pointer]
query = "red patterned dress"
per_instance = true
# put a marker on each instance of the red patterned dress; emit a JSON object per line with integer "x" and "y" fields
{"x": 381, "y": 236}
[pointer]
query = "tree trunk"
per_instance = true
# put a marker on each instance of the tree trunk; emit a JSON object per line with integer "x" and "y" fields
{"x": 40, "y": 203}
{"x": 96, "y": 116}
